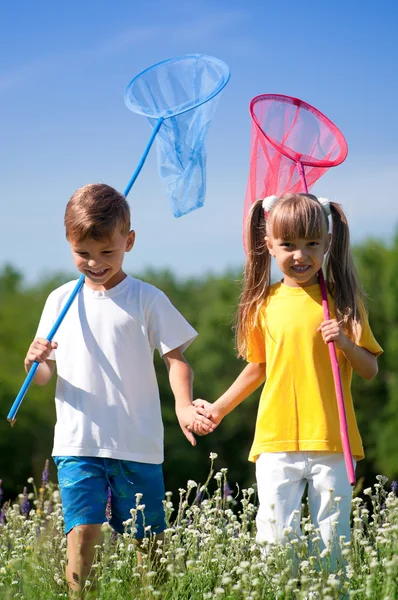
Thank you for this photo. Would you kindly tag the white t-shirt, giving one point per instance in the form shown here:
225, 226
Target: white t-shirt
107, 397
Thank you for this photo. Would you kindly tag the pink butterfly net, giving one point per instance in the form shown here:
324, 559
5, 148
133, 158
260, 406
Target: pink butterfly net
287, 133
292, 145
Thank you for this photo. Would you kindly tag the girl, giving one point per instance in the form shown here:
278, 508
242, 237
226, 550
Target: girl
282, 335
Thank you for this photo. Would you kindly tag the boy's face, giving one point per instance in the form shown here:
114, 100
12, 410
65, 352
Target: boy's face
101, 261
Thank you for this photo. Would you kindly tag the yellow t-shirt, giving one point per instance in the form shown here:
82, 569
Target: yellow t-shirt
298, 408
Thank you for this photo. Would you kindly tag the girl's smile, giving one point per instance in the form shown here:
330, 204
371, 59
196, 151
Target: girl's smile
299, 259
301, 268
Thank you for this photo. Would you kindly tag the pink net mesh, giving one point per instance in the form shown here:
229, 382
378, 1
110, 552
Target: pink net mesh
287, 131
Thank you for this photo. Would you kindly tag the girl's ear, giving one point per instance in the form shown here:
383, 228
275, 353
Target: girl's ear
328, 243
268, 242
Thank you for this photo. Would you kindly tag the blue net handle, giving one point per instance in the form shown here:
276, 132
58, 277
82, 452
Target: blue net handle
218, 75
30, 376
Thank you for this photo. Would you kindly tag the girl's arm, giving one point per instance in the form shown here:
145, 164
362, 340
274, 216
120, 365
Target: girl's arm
252, 376
181, 377
361, 360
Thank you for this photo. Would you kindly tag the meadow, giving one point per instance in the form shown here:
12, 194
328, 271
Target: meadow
209, 549
208, 552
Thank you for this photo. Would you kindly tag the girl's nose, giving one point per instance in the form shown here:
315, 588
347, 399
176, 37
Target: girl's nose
92, 262
298, 255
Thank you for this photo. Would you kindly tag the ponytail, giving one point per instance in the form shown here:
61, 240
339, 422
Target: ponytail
341, 275
256, 278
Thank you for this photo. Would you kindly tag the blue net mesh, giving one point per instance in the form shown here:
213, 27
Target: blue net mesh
184, 92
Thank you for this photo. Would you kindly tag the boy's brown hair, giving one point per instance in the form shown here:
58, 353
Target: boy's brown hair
96, 211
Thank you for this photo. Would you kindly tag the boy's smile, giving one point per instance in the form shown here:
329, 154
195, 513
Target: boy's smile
101, 261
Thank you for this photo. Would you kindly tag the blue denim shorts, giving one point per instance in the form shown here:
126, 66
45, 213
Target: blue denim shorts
86, 483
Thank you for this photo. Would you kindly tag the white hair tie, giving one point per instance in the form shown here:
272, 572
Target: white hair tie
326, 206
269, 202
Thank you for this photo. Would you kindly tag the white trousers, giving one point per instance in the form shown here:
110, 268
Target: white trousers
281, 481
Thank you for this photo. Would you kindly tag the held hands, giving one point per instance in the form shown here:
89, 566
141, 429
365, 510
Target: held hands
332, 332
39, 351
187, 415
204, 409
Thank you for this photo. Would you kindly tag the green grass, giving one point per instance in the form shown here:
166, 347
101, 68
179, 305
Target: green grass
209, 551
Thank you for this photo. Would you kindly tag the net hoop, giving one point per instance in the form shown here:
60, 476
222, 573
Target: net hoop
222, 71
293, 155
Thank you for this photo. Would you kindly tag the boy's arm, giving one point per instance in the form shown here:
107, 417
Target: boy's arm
39, 351
252, 376
181, 378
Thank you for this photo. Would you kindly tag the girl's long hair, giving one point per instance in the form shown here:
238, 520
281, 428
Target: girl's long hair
298, 216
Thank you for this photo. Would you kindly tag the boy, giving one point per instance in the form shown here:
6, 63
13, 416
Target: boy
109, 430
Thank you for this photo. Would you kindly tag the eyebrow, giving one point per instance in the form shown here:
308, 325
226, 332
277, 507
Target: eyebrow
84, 251
291, 241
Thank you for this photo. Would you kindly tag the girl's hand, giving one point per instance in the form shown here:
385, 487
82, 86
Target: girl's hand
332, 332
186, 415
205, 409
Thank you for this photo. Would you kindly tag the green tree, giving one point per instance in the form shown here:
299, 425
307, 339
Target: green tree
209, 304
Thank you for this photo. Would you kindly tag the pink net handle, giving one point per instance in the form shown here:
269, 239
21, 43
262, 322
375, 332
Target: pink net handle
345, 440
292, 145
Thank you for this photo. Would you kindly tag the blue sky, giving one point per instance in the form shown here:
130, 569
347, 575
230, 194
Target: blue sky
63, 71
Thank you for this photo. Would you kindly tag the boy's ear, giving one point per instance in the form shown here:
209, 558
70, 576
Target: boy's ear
130, 241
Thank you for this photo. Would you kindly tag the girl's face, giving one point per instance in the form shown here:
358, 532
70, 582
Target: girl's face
299, 259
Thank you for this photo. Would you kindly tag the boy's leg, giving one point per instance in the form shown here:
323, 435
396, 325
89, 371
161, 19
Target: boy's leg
281, 484
328, 480
80, 554
129, 478
83, 486
153, 555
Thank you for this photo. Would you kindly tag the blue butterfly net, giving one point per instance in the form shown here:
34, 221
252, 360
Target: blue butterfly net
183, 94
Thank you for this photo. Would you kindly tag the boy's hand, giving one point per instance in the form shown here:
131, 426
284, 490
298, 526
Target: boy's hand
186, 415
208, 410
332, 332
39, 351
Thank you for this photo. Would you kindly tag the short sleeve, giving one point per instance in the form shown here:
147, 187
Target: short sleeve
167, 328
367, 339
256, 344
47, 321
